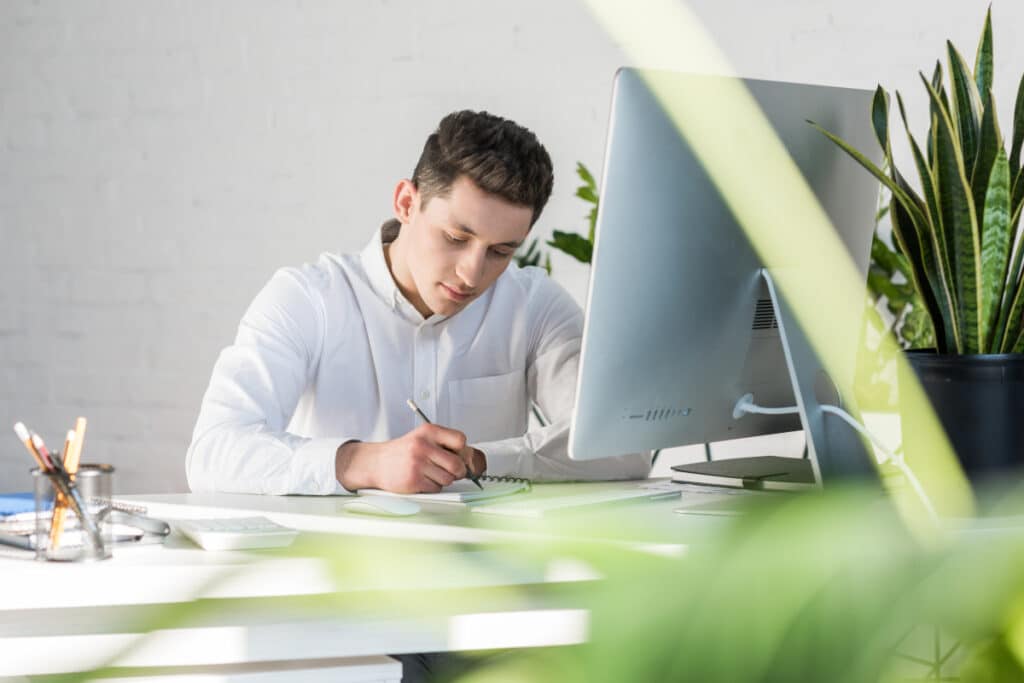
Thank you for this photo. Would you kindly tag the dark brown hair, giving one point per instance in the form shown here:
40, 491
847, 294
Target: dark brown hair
499, 156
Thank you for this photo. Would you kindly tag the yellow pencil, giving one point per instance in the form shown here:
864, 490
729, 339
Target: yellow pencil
73, 453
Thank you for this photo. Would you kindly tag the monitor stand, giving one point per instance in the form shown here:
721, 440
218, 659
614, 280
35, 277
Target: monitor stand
834, 450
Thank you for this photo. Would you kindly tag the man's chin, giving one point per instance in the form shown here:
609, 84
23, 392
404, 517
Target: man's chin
448, 308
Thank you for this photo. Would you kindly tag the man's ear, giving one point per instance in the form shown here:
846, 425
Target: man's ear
406, 200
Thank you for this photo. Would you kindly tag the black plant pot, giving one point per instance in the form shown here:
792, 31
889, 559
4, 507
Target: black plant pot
979, 400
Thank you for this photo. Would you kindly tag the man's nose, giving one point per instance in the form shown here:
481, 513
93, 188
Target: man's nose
470, 268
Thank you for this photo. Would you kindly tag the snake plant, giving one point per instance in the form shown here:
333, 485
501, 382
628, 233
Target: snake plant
959, 230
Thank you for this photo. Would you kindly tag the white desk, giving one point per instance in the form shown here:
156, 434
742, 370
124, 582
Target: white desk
273, 606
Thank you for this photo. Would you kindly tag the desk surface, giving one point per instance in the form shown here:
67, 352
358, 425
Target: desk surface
637, 522
97, 613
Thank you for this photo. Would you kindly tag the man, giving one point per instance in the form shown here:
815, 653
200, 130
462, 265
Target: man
311, 397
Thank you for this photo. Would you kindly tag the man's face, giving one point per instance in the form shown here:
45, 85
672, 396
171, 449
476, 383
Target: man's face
458, 245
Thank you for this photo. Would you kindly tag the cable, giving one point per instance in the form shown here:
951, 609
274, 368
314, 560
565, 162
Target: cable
746, 406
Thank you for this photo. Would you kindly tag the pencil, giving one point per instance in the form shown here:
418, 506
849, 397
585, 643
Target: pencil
22, 431
416, 409
37, 441
71, 460
67, 445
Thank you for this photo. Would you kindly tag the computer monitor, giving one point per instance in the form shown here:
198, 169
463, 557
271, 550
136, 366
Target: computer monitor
679, 320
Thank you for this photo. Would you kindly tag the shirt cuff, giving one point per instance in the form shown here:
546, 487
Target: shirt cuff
317, 475
505, 458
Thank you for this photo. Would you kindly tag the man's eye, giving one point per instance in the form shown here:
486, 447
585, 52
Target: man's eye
453, 239
500, 254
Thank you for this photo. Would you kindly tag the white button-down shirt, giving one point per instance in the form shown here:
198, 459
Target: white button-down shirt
330, 352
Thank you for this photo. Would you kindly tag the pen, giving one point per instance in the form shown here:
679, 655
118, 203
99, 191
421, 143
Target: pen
416, 409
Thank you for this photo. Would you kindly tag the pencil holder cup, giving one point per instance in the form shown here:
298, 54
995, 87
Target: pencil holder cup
70, 514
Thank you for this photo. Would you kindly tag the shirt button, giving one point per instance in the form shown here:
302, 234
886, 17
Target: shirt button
424, 395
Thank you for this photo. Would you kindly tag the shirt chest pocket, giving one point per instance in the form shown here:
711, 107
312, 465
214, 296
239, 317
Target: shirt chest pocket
489, 408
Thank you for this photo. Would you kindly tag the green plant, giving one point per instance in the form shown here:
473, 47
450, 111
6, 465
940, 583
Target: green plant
531, 256
580, 247
889, 279
959, 232
574, 244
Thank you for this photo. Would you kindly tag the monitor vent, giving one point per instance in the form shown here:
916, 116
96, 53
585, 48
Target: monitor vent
764, 315
659, 414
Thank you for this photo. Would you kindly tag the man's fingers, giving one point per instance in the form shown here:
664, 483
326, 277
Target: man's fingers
437, 477
449, 439
477, 461
448, 461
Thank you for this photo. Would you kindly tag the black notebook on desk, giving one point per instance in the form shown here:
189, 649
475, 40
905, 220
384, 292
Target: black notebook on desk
764, 472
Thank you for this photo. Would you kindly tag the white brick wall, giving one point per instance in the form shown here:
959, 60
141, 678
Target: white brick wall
159, 159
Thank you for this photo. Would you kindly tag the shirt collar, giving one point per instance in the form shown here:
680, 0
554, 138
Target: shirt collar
381, 280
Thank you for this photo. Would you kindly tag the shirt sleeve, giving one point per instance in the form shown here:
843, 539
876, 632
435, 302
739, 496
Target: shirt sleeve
542, 454
240, 443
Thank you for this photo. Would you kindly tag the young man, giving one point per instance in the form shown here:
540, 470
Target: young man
311, 397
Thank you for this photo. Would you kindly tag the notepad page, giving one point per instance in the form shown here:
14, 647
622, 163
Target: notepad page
461, 491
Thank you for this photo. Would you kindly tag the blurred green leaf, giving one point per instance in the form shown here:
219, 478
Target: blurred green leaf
586, 176
586, 194
572, 244
991, 662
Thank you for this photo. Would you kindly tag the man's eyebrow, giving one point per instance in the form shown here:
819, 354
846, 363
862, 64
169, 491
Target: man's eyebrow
465, 228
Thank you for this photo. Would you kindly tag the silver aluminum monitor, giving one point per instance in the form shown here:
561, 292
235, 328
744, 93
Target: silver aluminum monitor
679, 322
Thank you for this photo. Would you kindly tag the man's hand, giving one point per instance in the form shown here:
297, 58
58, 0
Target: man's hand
425, 460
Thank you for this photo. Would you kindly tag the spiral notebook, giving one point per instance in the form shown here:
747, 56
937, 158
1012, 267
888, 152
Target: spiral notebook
465, 491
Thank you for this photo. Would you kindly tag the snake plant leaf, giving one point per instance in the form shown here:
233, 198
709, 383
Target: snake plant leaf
1018, 346
990, 142
983, 59
1018, 128
936, 250
924, 275
1018, 189
1013, 302
912, 232
995, 248
937, 84
966, 105
880, 119
879, 174
961, 226
929, 188
1015, 206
